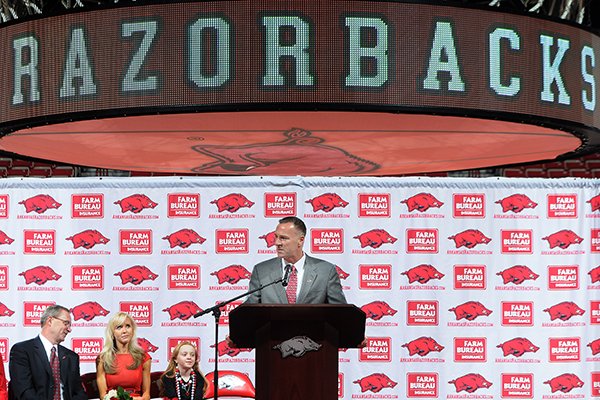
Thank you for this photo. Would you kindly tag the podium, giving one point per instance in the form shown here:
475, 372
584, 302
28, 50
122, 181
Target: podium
296, 346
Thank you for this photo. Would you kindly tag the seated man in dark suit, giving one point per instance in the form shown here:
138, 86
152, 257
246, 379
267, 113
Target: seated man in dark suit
42, 369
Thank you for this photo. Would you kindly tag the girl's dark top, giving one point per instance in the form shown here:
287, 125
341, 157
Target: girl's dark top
170, 390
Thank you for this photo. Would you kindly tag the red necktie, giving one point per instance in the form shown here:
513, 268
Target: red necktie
55, 373
292, 286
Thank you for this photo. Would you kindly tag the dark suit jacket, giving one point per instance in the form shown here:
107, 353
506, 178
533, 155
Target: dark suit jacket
320, 284
31, 377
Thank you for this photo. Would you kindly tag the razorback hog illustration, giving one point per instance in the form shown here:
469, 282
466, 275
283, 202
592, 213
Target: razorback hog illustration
563, 239
595, 274
375, 382
470, 310
470, 383
40, 275
184, 238
375, 238
232, 202
422, 202
88, 239
341, 273
422, 346
224, 349
469, 238
136, 274
327, 202
297, 346
594, 203
517, 347
5, 311
517, 274
269, 238
422, 273
5, 239
377, 309
183, 310
146, 345
516, 203
564, 311
594, 346
231, 274
564, 383
88, 311
40, 203
135, 203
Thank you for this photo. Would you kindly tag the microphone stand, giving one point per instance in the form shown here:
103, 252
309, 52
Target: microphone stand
216, 311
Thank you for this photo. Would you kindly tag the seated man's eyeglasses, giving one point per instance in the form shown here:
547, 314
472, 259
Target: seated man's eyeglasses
67, 323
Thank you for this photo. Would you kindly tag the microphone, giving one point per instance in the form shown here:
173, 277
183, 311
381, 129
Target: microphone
286, 276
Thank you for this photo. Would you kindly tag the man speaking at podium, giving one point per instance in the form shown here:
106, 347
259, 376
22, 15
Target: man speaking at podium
309, 280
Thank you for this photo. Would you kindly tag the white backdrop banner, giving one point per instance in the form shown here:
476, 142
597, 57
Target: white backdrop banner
473, 288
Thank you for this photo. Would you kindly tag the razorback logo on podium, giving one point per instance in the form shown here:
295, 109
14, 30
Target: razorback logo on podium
564, 311
88, 239
422, 273
88, 311
422, 346
470, 310
470, 383
422, 385
136, 275
231, 274
89, 205
184, 238
183, 310
40, 275
232, 202
517, 274
327, 202
564, 383
563, 239
375, 383
297, 346
135, 203
40, 203
421, 202
516, 203
517, 347
469, 238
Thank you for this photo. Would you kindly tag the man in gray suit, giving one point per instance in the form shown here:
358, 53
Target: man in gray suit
314, 281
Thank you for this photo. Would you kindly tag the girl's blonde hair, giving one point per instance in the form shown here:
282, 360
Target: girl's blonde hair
108, 354
170, 371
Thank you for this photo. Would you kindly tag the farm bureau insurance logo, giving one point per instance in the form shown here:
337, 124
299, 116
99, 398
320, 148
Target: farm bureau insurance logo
470, 277
375, 276
327, 240
378, 349
422, 241
3, 277
135, 241
39, 241
374, 205
422, 385
87, 277
4, 205
279, 205
562, 206
422, 312
517, 313
87, 205
233, 241
139, 311
183, 276
87, 348
33, 310
517, 241
468, 205
183, 205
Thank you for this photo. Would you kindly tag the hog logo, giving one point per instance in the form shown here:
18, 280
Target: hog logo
341, 273
422, 202
469, 238
377, 309
422, 346
375, 238
516, 203
517, 347
184, 238
298, 151
40, 275
5, 311
564, 311
269, 238
297, 346
40, 203
594, 346
563, 239
146, 345
595, 203
224, 349
88, 239
470, 310
517, 274
232, 202
5, 239
375, 382
595, 274
565, 383
327, 202
88, 311
422, 273
135, 203
470, 383
231, 274
183, 310
136, 275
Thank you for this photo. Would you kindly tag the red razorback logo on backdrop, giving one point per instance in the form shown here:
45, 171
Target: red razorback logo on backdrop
184, 238
88, 311
516, 203
595, 274
470, 383
40, 275
469, 238
269, 238
594, 203
327, 202
341, 273
517, 274
231, 274
564, 383
375, 238
5, 311
183, 310
40, 203
594, 346
146, 345
422, 346
564, 311
563, 239
135, 203
422, 202
88, 239
517, 347
271, 158
470, 310
5, 239
375, 382
232, 202
377, 309
136, 274
422, 273
224, 349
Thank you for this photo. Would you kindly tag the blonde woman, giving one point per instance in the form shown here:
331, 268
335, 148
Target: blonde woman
122, 361
182, 379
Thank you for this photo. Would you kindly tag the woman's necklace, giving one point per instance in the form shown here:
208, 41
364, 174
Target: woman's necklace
188, 387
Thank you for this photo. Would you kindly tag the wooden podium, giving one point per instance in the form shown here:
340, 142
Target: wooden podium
296, 346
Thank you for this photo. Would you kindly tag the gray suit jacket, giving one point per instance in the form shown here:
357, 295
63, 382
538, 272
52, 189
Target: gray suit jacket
320, 284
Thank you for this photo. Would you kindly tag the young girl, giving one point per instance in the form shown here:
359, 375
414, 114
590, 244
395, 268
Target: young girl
182, 379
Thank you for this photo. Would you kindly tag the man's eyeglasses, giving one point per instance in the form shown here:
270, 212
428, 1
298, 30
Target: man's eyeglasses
66, 322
